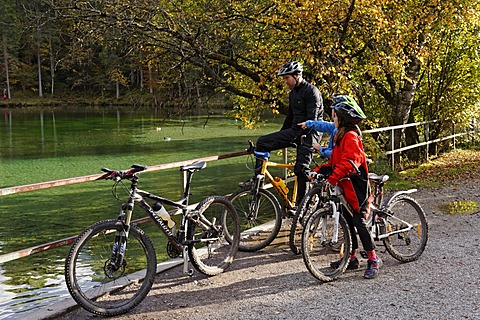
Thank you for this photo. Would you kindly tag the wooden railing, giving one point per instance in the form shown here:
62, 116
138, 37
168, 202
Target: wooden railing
64, 182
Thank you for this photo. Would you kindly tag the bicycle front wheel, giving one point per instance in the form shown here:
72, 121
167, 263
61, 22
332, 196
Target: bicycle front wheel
323, 243
310, 203
407, 222
260, 220
93, 280
209, 250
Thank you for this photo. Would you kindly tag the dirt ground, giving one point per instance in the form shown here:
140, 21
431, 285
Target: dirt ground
274, 284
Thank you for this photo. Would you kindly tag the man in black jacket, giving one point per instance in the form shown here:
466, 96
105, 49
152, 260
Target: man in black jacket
305, 103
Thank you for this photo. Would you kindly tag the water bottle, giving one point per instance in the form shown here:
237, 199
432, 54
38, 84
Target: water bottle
282, 185
162, 213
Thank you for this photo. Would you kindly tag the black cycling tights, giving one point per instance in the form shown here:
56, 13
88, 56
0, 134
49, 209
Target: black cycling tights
357, 221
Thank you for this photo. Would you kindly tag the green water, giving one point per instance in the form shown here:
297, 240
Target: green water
40, 146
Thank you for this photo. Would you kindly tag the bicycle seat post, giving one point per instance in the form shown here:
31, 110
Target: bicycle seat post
188, 171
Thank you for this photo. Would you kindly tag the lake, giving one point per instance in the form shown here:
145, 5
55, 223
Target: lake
51, 144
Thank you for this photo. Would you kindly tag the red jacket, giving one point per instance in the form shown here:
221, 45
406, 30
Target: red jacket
355, 187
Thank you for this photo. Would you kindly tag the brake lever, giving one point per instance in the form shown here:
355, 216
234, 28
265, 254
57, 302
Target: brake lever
251, 147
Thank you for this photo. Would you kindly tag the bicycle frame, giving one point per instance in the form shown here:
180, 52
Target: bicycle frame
338, 200
375, 228
178, 241
289, 202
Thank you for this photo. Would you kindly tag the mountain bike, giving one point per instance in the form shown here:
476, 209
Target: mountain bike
111, 266
400, 223
310, 203
259, 210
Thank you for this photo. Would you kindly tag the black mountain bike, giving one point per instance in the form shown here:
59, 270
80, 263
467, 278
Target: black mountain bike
111, 266
400, 223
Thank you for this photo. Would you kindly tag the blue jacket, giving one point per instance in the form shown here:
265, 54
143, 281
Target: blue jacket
326, 127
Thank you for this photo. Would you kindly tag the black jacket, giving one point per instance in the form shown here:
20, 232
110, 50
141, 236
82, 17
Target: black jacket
305, 103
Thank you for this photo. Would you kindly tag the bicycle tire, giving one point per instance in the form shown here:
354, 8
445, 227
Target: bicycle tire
406, 246
310, 203
318, 253
214, 255
102, 291
257, 232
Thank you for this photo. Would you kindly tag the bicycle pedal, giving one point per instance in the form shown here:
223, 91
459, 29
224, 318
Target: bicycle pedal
290, 213
363, 254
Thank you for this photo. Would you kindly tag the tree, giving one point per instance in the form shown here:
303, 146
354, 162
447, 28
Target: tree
375, 50
449, 81
9, 37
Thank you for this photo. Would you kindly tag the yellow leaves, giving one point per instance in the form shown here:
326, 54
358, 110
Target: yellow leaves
458, 165
117, 76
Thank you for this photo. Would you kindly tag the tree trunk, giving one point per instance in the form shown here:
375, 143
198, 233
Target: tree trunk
404, 99
52, 68
5, 58
150, 78
40, 90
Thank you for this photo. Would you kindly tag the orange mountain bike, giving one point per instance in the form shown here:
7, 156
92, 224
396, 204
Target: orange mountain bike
259, 210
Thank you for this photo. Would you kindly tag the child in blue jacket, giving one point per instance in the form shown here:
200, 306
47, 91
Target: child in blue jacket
321, 126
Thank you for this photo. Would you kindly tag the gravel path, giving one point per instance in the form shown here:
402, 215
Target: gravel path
274, 284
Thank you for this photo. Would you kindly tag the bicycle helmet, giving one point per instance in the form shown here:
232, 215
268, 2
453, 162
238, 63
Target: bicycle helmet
345, 107
290, 68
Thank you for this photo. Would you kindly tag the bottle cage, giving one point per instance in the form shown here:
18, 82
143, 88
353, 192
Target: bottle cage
262, 154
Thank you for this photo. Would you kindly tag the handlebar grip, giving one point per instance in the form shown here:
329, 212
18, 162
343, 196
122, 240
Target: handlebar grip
138, 167
108, 174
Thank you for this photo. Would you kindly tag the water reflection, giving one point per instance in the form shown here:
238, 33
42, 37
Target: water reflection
50, 145
17, 300
8, 126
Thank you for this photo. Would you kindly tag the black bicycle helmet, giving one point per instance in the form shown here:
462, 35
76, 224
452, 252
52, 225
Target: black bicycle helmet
290, 68
346, 108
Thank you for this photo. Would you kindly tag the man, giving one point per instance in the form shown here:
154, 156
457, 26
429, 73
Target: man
305, 103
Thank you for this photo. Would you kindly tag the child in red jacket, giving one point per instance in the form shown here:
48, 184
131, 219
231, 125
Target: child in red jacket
347, 157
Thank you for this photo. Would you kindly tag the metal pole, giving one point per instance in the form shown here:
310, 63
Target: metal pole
454, 139
427, 137
393, 149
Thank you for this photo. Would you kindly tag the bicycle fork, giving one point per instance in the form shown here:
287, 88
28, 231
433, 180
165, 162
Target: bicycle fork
253, 205
119, 246
336, 217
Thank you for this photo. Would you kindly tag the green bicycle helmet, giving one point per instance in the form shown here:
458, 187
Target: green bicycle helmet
290, 68
347, 109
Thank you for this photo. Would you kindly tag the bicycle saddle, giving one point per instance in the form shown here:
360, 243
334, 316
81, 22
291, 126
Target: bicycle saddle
194, 166
377, 178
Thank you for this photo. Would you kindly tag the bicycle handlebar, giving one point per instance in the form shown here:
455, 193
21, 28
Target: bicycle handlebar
121, 174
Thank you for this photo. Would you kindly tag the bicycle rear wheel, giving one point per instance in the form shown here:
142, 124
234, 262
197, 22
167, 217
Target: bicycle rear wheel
409, 244
209, 251
91, 278
310, 203
260, 221
320, 248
